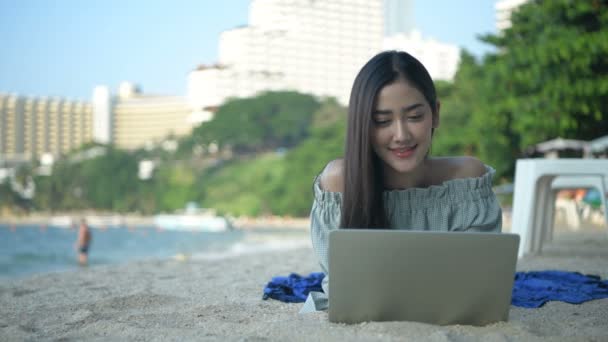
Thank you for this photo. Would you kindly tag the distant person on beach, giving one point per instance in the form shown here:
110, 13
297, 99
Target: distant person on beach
387, 178
83, 242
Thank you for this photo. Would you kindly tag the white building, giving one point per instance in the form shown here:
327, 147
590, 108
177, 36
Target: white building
314, 47
133, 120
504, 8
46, 128
102, 115
399, 16
32, 127
440, 59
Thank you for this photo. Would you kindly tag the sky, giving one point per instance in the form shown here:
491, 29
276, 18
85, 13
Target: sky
67, 47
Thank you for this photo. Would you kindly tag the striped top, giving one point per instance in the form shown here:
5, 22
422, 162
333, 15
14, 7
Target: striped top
464, 204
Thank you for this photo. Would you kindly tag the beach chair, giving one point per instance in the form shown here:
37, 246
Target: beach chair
573, 209
534, 198
591, 207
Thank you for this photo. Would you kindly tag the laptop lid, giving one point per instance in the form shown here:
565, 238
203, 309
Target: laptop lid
433, 277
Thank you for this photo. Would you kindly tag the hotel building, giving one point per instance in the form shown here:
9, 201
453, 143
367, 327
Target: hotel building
504, 8
314, 47
440, 59
31, 127
133, 120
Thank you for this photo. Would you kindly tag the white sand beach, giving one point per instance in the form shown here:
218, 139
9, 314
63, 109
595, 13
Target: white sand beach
222, 300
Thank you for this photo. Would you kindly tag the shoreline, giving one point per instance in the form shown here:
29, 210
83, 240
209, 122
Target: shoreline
121, 245
250, 246
196, 299
97, 220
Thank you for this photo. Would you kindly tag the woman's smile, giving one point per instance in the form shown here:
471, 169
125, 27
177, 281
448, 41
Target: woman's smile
403, 152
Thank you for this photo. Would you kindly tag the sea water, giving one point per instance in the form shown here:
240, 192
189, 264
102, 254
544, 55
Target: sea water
30, 249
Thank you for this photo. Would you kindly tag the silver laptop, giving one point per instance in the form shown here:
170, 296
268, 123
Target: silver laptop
432, 277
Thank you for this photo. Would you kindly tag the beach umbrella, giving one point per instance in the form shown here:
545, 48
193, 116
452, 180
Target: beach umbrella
599, 144
561, 144
593, 198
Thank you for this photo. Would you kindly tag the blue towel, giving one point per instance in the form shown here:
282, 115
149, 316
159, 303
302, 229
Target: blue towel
530, 289
533, 289
294, 288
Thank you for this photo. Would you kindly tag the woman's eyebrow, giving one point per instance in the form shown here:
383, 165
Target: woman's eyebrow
411, 108
404, 110
382, 112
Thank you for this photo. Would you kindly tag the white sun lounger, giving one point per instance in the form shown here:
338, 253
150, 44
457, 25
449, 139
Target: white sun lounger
534, 199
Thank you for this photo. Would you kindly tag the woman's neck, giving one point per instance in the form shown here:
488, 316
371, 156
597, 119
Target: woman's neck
420, 177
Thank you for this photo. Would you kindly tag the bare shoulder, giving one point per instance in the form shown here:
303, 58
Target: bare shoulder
468, 167
332, 177
461, 167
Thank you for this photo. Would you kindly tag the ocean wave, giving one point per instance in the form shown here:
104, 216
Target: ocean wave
20, 258
248, 248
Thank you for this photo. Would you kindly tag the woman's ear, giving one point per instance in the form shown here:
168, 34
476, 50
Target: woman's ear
436, 115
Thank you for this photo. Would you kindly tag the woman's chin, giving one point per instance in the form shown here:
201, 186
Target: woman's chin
404, 166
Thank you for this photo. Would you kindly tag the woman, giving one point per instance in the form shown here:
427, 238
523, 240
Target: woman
386, 178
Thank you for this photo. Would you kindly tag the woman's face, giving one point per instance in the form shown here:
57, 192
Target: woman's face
402, 123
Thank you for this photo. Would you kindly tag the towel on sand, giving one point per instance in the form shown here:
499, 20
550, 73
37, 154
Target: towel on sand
293, 288
533, 289
530, 289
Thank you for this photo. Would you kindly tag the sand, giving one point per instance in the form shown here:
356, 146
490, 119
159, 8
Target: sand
221, 300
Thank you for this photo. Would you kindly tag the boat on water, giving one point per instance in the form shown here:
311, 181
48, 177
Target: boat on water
193, 218
93, 220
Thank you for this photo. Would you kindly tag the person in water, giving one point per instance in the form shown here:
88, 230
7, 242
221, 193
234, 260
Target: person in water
387, 178
83, 243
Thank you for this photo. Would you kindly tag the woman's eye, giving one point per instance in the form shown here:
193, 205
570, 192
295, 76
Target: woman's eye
381, 122
416, 117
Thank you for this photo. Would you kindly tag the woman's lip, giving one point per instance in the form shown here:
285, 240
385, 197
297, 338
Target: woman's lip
400, 149
404, 152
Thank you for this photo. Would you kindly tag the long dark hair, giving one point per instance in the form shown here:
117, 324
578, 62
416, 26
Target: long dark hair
362, 199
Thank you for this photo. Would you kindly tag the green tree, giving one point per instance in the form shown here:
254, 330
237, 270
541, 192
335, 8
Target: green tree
56, 192
308, 159
245, 187
175, 186
459, 101
110, 181
105, 181
8, 199
277, 183
470, 121
261, 123
551, 72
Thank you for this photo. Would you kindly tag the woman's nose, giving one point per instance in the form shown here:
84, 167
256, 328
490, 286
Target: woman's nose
401, 133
